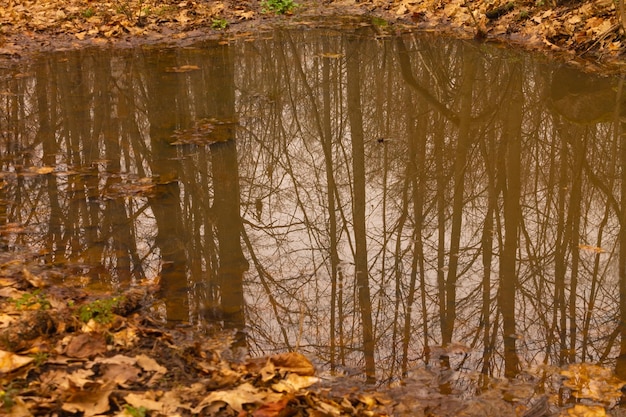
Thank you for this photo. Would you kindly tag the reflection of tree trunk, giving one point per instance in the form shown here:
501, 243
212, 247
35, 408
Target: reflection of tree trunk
620, 367
327, 141
487, 247
46, 136
162, 105
559, 318
460, 161
355, 116
417, 161
512, 137
574, 213
226, 203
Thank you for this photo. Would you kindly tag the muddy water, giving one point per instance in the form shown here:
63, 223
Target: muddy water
379, 203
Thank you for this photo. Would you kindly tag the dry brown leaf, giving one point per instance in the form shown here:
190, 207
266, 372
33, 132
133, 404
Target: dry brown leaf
80, 377
146, 400
120, 373
9, 361
272, 409
86, 345
293, 362
32, 279
91, 401
294, 382
237, 397
18, 409
150, 365
593, 382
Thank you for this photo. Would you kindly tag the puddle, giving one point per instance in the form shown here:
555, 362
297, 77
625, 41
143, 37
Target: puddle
378, 203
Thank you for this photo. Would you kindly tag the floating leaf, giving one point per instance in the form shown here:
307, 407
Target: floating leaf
44, 170
589, 248
183, 68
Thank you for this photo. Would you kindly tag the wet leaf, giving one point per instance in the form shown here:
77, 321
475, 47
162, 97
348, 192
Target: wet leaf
183, 68
44, 170
593, 249
331, 55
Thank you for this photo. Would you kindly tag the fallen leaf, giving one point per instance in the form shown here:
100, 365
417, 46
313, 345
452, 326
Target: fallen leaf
91, 401
580, 410
273, 409
9, 361
593, 382
293, 362
150, 365
183, 68
44, 170
32, 279
294, 382
236, 398
120, 373
146, 400
86, 345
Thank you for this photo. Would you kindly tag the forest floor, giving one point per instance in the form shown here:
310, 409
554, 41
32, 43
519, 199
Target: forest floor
587, 32
66, 351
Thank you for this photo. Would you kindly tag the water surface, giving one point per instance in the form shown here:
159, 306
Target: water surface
379, 203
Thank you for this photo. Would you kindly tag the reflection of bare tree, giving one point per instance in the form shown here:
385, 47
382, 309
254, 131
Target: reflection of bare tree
511, 170
481, 236
163, 91
357, 137
226, 203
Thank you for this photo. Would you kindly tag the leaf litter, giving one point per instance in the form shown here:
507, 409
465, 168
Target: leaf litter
569, 29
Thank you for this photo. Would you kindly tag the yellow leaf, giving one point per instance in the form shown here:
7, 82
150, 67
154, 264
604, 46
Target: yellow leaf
580, 410
44, 170
589, 248
183, 68
10, 361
